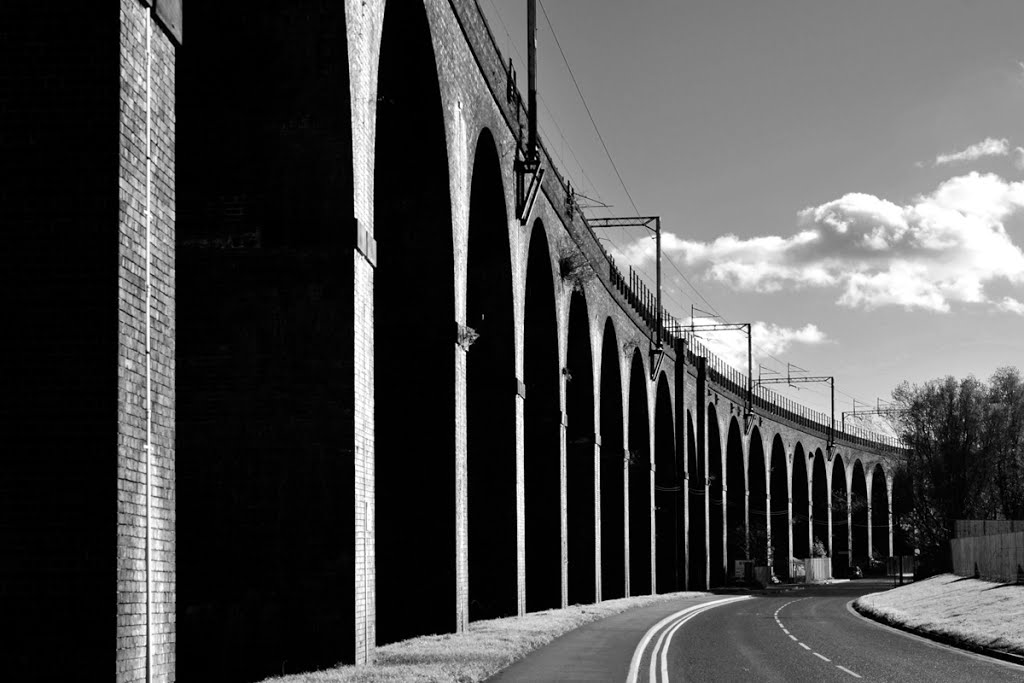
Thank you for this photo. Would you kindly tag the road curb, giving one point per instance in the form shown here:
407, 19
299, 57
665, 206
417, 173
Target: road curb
939, 637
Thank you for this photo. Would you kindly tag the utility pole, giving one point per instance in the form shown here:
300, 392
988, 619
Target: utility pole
527, 162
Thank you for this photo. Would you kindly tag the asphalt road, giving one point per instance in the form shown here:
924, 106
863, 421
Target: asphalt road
796, 634
809, 634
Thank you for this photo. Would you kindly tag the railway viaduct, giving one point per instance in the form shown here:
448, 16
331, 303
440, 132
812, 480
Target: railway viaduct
293, 377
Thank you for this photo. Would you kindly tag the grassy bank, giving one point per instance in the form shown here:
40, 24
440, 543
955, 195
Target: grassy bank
487, 647
968, 612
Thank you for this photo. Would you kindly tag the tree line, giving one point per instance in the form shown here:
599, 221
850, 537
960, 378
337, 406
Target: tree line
965, 461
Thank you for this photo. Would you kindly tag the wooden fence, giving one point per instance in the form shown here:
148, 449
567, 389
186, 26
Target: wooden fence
995, 557
986, 527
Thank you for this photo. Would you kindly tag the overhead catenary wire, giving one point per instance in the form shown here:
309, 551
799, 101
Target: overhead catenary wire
600, 137
611, 159
592, 186
618, 174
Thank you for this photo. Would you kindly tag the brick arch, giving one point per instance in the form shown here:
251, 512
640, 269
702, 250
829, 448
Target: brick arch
860, 550
414, 233
840, 500
779, 519
580, 454
735, 503
490, 393
666, 491
262, 282
613, 464
545, 231
543, 420
757, 486
640, 508
801, 509
821, 525
715, 491
696, 550
879, 497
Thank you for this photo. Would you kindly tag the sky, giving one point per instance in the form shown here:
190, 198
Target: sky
847, 175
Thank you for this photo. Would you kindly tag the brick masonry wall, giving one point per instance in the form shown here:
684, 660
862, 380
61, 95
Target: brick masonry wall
268, 452
58, 206
146, 351
72, 129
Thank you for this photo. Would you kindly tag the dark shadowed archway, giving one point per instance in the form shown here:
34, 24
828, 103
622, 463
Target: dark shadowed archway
263, 345
859, 516
490, 399
779, 478
840, 523
757, 481
696, 552
543, 431
579, 408
666, 492
413, 297
879, 514
613, 467
801, 507
716, 521
639, 480
736, 496
820, 503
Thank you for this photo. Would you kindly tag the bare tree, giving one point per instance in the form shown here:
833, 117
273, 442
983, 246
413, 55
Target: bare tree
945, 424
1005, 439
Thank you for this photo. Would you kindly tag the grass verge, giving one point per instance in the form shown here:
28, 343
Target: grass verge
486, 648
970, 613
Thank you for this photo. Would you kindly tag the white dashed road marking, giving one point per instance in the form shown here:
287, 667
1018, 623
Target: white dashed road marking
794, 638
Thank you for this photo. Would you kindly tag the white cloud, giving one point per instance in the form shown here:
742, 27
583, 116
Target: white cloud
1011, 305
1018, 158
940, 249
989, 147
768, 339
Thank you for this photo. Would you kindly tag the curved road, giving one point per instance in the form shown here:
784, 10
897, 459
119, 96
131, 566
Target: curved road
797, 634
811, 634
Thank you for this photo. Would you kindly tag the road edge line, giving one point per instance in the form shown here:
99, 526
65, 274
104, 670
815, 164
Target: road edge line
939, 640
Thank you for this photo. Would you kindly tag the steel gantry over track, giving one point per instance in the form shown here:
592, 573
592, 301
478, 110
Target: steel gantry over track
877, 411
652, 224
693, 328
805, 379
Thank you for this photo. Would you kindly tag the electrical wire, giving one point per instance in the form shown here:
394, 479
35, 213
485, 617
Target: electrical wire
600, 137
592, 186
